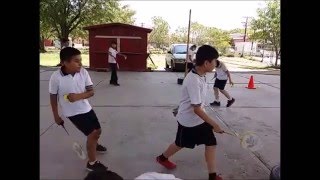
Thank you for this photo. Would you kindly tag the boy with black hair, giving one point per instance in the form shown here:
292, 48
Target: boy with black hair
71, 86
112, 59
222, 75
195, 127
190, 58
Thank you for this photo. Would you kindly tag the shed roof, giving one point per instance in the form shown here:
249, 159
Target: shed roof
117, 24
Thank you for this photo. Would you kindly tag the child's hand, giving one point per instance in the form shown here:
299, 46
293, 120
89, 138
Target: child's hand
59, 121
217, 129
231, 83
72, 97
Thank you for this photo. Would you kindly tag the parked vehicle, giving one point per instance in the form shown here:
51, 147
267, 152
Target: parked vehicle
176, 57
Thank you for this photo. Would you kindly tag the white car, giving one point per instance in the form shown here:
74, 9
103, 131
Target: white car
176, 57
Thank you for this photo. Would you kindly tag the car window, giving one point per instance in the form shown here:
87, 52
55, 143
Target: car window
180, 49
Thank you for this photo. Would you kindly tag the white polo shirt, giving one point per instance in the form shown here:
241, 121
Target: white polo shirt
193, 92
61, 84
114, 53
221, 71
192, 54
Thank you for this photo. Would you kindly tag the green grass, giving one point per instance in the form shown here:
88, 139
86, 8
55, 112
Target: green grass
51, 58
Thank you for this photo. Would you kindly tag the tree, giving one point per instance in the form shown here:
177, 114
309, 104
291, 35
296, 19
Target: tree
114, 14
267, 26
160, 32
198, 33
219, 39
46, 31
180, 35
69, 16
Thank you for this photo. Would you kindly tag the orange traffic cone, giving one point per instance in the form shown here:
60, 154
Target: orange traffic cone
251, 83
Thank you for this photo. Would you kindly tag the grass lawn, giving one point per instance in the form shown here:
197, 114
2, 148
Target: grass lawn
51, 58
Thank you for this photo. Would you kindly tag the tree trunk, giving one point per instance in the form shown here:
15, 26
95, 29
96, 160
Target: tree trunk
42, 48
277, 53
64, 39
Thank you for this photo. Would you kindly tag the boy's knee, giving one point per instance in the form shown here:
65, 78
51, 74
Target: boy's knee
95, 134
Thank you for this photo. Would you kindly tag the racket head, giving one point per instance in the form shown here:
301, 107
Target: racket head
77, 148
250, 140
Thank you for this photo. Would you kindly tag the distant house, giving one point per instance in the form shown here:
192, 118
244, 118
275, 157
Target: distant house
239, 44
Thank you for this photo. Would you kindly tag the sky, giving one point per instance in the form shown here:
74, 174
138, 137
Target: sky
220, 14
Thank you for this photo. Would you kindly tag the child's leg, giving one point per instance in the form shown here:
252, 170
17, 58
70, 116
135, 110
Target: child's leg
92, 141
231, 100
163, 158
89, 125
180, 142
171, 150
210, 155
226, 94
216, 94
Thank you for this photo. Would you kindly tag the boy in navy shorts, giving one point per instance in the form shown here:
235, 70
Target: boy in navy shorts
71, 86
222, 75
195, 127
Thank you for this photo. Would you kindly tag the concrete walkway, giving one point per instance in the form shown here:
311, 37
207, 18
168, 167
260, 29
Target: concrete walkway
137, 125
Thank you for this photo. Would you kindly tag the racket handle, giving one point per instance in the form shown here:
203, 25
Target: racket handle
229, 133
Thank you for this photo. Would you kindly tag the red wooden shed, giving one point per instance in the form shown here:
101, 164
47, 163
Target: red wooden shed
131, 41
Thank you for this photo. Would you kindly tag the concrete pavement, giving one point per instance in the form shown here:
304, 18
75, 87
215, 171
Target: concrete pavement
137, 125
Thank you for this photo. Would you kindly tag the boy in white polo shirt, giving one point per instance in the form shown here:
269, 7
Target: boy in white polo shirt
70, 86
222, 75
112, 59
195, 127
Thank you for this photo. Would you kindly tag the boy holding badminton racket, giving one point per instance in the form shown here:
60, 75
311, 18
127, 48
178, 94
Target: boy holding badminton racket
71, 86
195, 127
222, 75
112, 59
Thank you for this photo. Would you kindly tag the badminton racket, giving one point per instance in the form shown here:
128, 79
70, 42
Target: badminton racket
248, 140
76, 147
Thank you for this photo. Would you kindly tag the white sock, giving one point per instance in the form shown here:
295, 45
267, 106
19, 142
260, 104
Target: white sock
92, 163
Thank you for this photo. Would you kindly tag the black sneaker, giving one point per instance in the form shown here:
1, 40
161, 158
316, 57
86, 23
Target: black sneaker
116, 84
101, 149
215, 103
96, 166
230, 102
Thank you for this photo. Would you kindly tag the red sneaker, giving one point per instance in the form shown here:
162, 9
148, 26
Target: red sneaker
167, 164
218, 177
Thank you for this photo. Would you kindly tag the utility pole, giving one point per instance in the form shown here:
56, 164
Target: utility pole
254, 31
245, 33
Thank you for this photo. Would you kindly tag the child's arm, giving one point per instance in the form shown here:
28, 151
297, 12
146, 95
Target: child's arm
198, 111
229, 76
224, 68
89, 89
195, 97
53, 90
72, 97
123, 55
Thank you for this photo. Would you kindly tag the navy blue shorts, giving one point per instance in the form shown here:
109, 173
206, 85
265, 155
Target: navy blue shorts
86, 122
220, 84
189, 137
